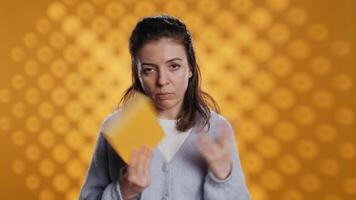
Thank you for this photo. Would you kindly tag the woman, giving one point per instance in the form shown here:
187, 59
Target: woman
198, 158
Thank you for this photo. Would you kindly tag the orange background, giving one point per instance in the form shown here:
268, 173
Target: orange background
281, 70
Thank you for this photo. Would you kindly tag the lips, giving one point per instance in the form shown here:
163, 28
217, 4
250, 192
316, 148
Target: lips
164, 96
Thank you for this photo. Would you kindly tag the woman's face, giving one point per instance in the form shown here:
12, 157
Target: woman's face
164, 73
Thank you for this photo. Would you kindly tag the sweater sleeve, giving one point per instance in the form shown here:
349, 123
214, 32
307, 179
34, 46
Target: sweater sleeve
234, 186
97, 183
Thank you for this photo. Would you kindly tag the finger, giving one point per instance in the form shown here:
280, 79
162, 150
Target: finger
140, 166
147, 157
201, 144
136, 168
140, 157
207, 148
223, 138
131, 167
209, 144
149, 152
147, 165
132, 161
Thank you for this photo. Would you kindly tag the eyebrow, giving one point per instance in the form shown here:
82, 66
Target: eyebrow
170, 60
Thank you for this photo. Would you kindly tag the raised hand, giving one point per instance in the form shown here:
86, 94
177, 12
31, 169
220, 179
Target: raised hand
137, 175
216, 153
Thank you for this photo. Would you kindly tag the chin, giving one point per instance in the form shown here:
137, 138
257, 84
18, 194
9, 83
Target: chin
166, 105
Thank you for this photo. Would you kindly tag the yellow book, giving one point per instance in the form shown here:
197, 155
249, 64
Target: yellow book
136, 126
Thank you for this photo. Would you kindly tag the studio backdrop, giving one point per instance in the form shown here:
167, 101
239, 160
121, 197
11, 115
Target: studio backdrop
283, 72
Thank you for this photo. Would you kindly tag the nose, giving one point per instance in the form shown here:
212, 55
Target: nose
162, 78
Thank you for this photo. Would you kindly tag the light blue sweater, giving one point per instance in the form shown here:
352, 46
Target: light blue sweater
185, 177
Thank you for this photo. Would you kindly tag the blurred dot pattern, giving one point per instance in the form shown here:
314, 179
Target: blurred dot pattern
281, 79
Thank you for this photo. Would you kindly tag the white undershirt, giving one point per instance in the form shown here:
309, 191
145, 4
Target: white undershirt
173, 139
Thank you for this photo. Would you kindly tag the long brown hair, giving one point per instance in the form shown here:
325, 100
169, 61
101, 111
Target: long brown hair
196, 103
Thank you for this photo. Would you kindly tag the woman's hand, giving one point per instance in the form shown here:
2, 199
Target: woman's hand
137, 176
217, 154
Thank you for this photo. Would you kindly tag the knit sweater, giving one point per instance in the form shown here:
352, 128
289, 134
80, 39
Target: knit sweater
185, 177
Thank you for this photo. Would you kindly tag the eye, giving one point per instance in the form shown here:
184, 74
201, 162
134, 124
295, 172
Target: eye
147, 71
174, 66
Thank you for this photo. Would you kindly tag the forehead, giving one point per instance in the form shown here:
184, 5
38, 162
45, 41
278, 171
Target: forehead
161, 50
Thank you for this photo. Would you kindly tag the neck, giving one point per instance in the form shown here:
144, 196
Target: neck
171, 113
167, 115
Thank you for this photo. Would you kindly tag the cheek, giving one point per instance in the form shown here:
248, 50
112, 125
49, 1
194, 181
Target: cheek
182, 80
148, 85
182, 84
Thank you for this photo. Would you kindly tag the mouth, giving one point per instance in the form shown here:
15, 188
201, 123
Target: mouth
164, 96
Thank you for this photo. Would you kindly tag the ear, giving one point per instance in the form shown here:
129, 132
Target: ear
190, 74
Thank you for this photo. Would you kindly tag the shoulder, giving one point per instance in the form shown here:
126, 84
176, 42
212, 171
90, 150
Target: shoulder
216, 123
219, 122
218, 119
110, 120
